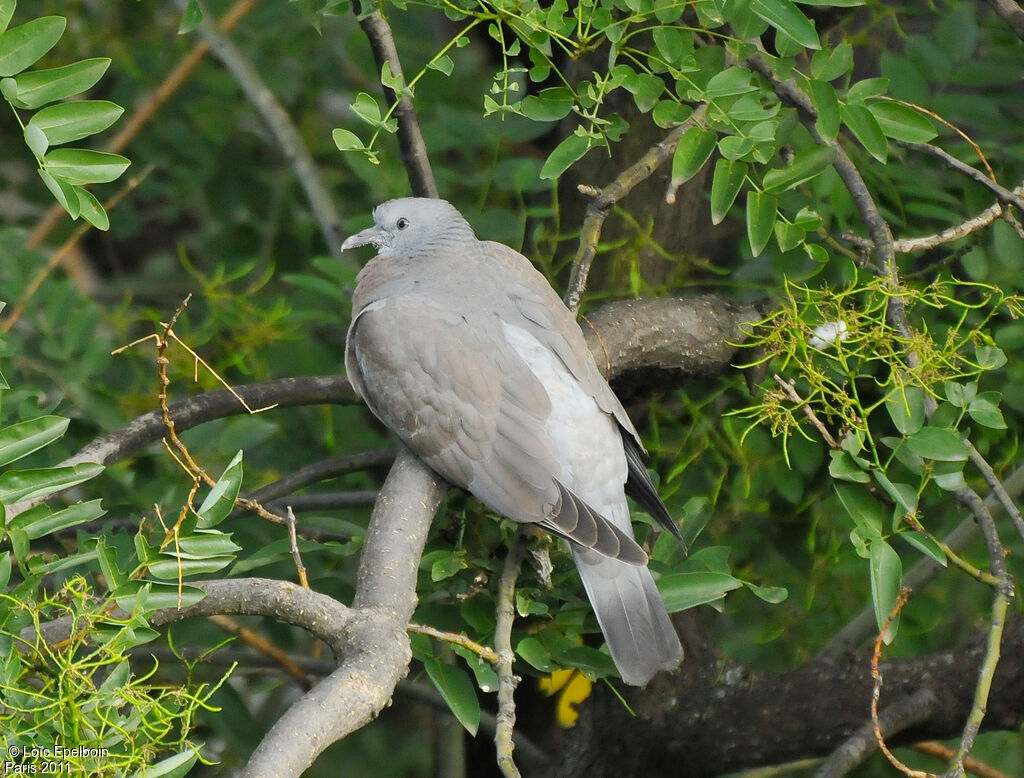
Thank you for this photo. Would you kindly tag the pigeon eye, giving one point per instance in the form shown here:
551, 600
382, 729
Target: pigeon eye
402, 223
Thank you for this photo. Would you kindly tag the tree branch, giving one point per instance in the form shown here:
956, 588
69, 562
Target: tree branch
1011, 13
295, 150
602, 201
715, 720
376, 647
410, 139
1003, 194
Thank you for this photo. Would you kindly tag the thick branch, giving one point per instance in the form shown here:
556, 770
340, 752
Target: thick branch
376, 647
717, 720
695, 336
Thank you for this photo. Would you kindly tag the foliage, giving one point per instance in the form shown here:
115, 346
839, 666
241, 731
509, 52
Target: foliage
512, 96
64, 171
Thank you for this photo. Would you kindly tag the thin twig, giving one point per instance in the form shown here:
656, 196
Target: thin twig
410, 139
484, 652
602, 201
293, 545
65, 248
971, 765
997, 487
292, 146
1002, 193
997, 623
789, 387
876, 693
507, 680
259, 643
948, 235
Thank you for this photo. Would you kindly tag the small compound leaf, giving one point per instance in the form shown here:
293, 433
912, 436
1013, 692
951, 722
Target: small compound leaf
41, 87
23, 45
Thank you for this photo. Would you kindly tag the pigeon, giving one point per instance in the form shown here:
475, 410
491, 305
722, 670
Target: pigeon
464, 350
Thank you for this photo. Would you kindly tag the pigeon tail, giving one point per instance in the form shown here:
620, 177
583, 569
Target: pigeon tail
631, 614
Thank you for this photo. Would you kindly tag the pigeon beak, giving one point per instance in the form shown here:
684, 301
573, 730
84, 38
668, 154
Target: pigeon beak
370, 235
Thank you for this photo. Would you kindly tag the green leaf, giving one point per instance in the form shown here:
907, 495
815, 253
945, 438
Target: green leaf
906, 409
692, 153
66, 122
949, 475
167, 567
805, 166
830, 64
926, 544
17, 485
564, 155
984, 409
91, 209
886, 577
536, 654
21, 46
486, 678
846, 467
826, 103
735, 80
902, 123
869, 87
5, 569
346, 140
939, 443
865, 128
989, 357
458, 691
63, 192
443, 64
206, 544
48, 86
366, 108
395, 83
172, 767
549, 105
22, 439
221, 500
770, 594
37, 525
726, 181
107, 557
156, 595
191, 18
6, 12
83, 166
904, 495
647, 89
447, 566
864, 509
784, 16
762, 211
36, 141
687, 590
669, 113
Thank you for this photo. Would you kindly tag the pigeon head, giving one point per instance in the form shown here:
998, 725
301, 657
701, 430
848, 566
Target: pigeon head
408, 225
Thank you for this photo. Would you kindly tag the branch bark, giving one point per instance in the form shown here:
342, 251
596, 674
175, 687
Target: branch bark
375, 647
712, 719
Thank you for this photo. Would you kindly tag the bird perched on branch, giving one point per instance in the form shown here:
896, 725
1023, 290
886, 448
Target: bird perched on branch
463, 349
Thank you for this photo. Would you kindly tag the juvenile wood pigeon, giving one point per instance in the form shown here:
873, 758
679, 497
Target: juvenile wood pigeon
463, 349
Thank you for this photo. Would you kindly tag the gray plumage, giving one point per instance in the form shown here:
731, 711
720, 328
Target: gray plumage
464, 350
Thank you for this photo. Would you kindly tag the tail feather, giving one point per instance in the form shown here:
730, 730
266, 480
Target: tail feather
632, 616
